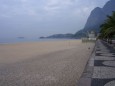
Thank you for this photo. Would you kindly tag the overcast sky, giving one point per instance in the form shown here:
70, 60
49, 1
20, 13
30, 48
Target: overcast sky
34, 18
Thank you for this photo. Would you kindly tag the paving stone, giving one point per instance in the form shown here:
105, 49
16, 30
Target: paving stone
104, 72
98, 54
100, 70
88, 72
99, 63
109, 63
111, 83
107, 54
85, 82
98, 49
103, 52
104, 58
91, 63
93, 58
100, 82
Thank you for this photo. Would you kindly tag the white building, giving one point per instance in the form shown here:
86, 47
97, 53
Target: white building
91, 35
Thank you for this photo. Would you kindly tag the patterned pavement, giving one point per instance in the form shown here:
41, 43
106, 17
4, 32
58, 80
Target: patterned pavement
100, 70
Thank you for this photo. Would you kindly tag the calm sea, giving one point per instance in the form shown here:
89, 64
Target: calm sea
18, 40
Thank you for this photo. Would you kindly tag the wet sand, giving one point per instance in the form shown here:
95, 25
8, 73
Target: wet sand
54, 63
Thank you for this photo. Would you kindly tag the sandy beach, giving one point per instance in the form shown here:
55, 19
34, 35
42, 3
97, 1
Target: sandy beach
53, 63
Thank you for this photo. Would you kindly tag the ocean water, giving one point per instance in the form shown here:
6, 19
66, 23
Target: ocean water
20, 40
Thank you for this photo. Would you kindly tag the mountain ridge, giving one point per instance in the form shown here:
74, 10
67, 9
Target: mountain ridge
67, 35
96, 18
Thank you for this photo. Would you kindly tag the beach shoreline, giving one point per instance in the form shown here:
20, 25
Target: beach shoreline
53, 63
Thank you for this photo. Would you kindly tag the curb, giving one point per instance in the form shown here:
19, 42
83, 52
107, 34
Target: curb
86, 77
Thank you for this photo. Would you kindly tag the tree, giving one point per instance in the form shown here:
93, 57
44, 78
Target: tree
108, 28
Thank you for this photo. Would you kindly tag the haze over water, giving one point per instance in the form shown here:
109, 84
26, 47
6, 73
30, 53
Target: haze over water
34, 18
17, 40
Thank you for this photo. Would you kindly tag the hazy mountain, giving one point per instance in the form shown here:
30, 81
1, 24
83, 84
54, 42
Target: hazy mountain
109, 7
68, 35
96, 18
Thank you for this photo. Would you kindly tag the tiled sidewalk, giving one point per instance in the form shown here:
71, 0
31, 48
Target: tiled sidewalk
100, 70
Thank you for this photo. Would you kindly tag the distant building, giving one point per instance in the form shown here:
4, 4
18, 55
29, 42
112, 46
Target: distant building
91, 35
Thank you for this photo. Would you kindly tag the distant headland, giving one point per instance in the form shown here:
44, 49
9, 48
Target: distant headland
68, 35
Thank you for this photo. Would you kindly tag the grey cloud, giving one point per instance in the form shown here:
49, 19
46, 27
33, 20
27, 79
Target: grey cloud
44, 17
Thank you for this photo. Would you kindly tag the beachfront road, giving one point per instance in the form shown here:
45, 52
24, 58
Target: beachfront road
60, 68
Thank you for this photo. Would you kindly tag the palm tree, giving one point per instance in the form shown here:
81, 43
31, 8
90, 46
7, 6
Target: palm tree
108, 28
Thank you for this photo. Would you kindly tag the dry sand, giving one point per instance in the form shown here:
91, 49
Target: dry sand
54, 63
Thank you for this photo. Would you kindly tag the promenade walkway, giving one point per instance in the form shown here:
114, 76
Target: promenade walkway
100, 70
